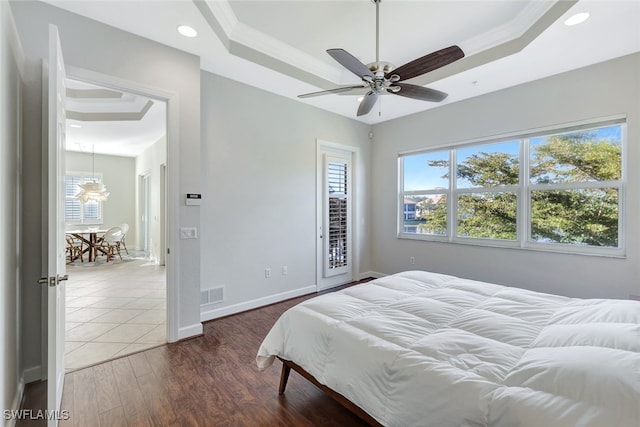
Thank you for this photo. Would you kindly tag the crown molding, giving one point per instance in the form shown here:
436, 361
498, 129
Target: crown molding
517, 27
255, 46
284, 52
504, 49
110, 116
248, 43
93, 93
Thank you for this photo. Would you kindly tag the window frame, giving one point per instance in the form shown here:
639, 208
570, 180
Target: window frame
523, 191
84, 177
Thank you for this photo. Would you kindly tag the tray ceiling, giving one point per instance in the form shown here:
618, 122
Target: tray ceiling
279, 46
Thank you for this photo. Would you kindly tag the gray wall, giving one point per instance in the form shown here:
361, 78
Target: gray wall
118, 175
259, 210
600, 90
92, 46
10, 248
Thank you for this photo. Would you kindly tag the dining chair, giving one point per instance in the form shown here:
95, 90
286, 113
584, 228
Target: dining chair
110, 243
125, 229
74, 249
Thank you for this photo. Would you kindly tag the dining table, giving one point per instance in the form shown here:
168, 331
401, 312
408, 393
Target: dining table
88, 236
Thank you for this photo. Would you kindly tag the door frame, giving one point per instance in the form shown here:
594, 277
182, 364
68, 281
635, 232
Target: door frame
172, 272
162, 256
144, 222
326, 147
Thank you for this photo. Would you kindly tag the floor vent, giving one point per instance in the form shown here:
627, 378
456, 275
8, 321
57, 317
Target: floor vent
212, 296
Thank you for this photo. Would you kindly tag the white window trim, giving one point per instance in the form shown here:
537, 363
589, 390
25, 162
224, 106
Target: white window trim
523, 193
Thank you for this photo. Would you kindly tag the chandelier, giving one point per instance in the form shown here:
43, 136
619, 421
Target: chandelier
92, 191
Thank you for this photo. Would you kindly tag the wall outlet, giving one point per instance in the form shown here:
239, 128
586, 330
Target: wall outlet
412, 260
267, 273
285, 270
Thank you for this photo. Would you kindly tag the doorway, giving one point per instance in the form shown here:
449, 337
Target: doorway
145, 209
335, 248
118, 307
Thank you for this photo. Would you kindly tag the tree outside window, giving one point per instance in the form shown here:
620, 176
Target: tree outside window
571, 182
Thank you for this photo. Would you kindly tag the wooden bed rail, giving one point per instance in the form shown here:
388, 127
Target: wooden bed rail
287, 365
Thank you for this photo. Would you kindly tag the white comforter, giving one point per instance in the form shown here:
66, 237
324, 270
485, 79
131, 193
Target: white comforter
425, 349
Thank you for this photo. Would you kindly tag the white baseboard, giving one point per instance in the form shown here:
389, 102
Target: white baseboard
32, 374
190, 331
373, 274
215, 313
17, 400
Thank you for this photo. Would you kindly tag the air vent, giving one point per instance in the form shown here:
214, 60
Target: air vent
212, 296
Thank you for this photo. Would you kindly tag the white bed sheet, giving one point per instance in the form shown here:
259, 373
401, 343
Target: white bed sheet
426, 349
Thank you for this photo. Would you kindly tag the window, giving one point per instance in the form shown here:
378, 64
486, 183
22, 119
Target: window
555, 190
487, 184
425, 197
76, 211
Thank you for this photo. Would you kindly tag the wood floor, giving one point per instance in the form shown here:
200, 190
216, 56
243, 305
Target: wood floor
206, 381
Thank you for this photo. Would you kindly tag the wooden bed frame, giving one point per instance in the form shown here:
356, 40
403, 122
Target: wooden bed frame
287, 365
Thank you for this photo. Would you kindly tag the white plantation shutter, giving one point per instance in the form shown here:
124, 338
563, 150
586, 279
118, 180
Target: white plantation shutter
72, 208
337, 217
75, 211
91, 212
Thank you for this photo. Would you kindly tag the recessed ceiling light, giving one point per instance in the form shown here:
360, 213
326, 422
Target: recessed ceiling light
187, 31
576, 19
75, 126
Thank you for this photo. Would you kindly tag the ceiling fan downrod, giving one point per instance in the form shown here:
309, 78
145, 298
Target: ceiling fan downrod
377, 2
379, 68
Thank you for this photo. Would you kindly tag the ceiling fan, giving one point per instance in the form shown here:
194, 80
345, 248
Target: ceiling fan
382, 77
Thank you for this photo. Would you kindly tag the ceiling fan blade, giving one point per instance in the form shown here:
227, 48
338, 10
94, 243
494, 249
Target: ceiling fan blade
327, 92
350, 62
418, 92
367, 103
427, 63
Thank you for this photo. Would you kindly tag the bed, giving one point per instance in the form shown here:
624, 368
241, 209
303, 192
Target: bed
426, 349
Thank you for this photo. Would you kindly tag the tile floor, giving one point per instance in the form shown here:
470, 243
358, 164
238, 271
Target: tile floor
113, 309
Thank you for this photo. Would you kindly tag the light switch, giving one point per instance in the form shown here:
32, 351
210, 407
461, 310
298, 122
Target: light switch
193, 199
188, 233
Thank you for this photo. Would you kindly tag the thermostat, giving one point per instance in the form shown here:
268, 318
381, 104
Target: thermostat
193, 199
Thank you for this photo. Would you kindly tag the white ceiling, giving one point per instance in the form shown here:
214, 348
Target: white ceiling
107, 121
279, 46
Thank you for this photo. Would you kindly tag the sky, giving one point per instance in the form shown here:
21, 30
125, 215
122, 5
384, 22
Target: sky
419, 176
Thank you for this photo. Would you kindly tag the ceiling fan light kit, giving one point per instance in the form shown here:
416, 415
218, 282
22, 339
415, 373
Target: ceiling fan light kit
382, 77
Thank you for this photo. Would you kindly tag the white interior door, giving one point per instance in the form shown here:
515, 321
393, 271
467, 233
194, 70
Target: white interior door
54, 244
335, 239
